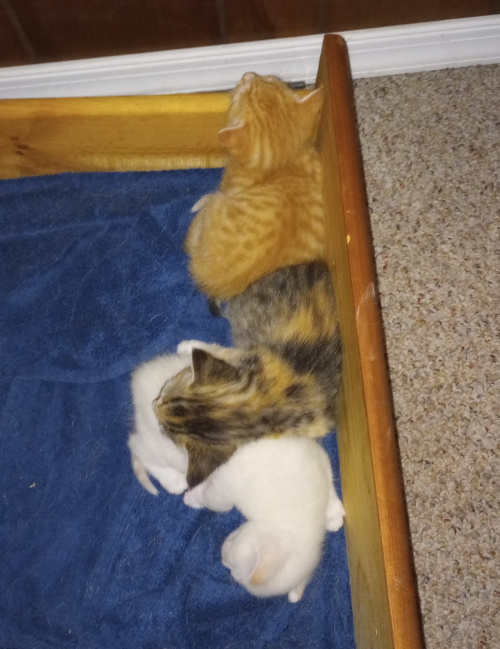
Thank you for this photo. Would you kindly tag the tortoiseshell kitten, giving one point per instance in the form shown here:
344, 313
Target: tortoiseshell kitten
280, 379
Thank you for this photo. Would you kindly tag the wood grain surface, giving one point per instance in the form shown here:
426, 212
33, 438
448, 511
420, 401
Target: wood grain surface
46, 136
380, 560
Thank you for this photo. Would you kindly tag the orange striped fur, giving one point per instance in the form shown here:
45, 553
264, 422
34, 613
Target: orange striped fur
268, 211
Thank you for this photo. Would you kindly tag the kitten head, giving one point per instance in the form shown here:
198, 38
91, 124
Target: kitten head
262, 558
268, 124
213, 407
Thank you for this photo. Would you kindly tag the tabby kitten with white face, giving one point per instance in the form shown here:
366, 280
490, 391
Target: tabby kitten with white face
280, 379
268, 210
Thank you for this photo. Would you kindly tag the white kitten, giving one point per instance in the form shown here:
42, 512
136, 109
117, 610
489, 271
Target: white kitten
284, 487
153, 452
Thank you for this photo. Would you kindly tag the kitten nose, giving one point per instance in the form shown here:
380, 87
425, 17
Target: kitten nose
248, 76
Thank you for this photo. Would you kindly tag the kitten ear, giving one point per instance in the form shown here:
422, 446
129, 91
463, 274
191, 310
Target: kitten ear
203, 459
233, 137
208, 368
310, 110
270, 556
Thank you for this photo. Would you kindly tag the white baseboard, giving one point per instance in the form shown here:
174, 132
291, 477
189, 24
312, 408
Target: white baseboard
373, 52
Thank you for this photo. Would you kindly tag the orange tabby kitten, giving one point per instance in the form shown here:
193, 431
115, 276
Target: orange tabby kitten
268, 211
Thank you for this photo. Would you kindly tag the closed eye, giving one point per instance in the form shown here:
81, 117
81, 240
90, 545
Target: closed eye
179, 411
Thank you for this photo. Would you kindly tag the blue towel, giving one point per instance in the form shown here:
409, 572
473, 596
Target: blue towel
94, 281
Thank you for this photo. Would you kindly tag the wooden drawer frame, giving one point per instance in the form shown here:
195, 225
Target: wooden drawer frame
45, 136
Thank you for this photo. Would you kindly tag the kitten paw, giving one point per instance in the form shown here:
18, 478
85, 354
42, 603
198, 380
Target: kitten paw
226, 549
200, 203
175, 482
335, 515
142, 475
187, 346
296, 594
194, 497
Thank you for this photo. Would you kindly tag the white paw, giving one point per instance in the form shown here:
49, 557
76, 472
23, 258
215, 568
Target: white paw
143, 476
175, 482
226, 549
194, 497
296, 594
187, 346
335, 515
201, 203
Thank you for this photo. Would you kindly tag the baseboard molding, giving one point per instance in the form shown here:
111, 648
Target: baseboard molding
373, 52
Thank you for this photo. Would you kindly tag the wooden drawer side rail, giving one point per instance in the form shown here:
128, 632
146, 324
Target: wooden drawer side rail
380, 560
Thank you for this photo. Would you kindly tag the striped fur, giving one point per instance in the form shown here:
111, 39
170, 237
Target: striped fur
280, 379
268, 211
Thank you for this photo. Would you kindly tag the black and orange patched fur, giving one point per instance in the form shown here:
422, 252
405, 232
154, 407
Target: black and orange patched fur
281, 378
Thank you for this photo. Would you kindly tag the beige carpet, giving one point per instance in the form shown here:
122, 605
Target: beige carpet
431, 149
